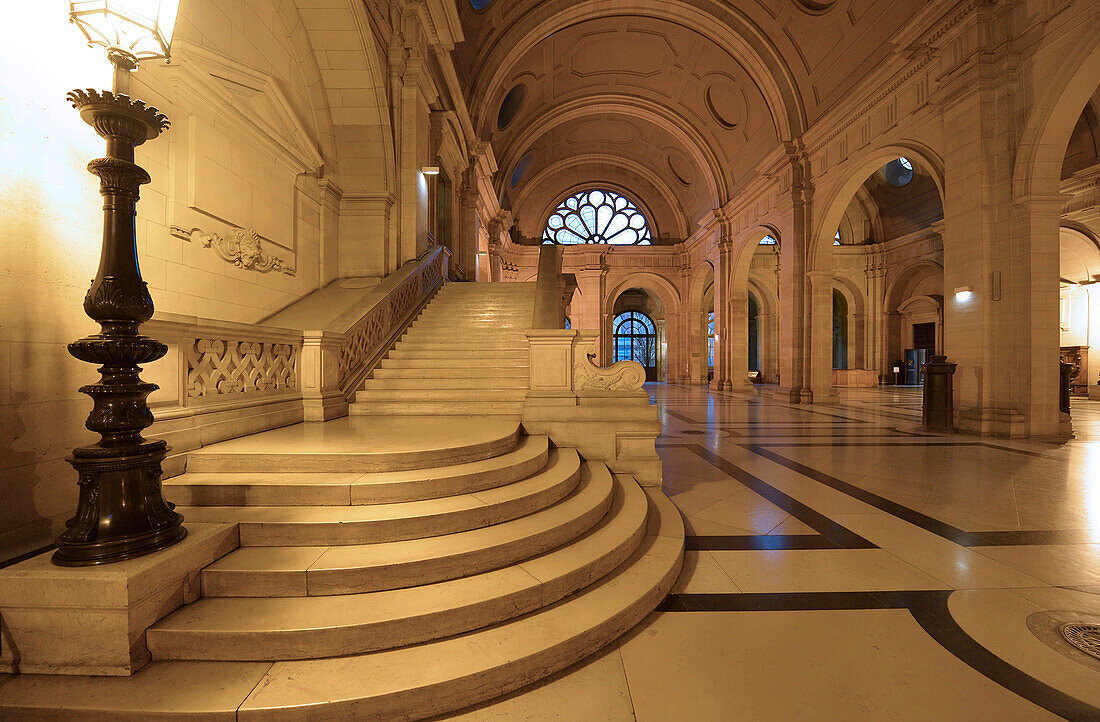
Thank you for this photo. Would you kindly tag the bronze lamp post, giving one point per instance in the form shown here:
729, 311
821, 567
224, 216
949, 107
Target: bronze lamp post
120, 512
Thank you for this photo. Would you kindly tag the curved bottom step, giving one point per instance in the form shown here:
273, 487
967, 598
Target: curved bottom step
407, 683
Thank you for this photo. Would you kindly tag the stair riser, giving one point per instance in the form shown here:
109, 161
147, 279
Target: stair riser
418, 527
449, 363
370, 393
232, 583
442, 408
332, 642
428, 486
519, 372
455, 354
349, 462
445, 384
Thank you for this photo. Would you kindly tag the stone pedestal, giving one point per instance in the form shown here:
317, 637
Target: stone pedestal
938, 413
92, 620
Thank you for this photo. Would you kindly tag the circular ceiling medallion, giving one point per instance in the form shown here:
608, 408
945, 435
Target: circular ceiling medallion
724, 103
680, 169
814, 7
510, 106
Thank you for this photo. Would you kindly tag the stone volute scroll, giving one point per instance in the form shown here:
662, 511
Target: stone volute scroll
623, 375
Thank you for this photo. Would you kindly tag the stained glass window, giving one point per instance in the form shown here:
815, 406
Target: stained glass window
768, 240
836, 239
634, 337
597, 217
898, 172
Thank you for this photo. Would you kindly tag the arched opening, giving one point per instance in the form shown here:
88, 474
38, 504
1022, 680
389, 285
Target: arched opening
634, 338
1079, 309
638, 332
754, 336
840, 330
914, 321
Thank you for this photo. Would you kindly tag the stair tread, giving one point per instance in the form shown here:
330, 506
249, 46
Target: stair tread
336, 488
251, 571
301, 627
415, 681
360, 524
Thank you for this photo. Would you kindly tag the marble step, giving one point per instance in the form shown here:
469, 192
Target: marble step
366, 524
371, 393
319, 571
258, 629
408, 683
437, 408
469, 354
446, 383
334, 489
490, 372
347, 445
464, 363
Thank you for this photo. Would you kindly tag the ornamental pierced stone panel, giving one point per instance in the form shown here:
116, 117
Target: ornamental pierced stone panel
362, 340
243, 248
217, 367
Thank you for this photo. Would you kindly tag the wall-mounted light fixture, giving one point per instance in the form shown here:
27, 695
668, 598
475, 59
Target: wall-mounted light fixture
430, 170
963, 294
120, 512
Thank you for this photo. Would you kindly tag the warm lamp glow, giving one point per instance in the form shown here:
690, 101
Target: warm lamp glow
963, 294
142, 28
430, 170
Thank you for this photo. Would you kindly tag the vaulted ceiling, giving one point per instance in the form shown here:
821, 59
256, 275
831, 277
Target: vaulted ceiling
672, 102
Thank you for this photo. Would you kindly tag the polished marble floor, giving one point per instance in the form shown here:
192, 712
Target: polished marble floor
842, 565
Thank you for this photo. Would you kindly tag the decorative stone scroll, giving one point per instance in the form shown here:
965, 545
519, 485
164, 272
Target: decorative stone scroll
217, 367
620, 376
243, 248
363, 341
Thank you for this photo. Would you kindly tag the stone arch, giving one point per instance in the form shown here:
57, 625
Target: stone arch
835, 199
700, 299
900, 303
857, 320
637, 108
679, 220
726, 26
1038, 162
667, 294
767, 329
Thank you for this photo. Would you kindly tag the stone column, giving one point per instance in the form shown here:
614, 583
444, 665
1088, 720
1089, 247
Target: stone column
821, 337
876, 299
722, 310
738, 344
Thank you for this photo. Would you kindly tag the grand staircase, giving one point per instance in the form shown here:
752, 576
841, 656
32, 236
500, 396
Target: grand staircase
395, 566
465, 354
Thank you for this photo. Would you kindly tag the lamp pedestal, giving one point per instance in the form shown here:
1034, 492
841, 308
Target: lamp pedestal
120, 513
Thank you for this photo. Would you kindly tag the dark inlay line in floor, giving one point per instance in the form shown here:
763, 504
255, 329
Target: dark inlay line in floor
842, 536
927, 441
929, 609
758, 542
928, 523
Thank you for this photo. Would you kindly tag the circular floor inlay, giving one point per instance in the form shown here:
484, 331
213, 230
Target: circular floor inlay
1085, 637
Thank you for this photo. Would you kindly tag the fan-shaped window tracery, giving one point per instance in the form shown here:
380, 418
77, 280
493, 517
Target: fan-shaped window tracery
597, 216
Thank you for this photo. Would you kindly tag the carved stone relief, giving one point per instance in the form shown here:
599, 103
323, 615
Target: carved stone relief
243, 248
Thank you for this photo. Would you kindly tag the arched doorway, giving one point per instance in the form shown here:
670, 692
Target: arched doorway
840, 330
754, 335
634, 338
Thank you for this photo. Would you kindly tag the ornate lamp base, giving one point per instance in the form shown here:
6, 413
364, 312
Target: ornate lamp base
121, 512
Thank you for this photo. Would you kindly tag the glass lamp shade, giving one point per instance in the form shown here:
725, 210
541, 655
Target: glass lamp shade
140, 27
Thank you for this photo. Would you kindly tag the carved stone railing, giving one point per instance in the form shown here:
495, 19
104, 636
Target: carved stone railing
603, 412
220, 380
367, 339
